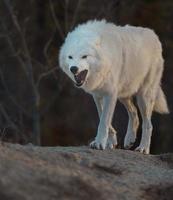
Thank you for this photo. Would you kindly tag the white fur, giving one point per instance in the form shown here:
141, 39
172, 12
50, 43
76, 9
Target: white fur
122, 62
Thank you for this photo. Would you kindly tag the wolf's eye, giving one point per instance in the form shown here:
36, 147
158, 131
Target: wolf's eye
70, 57
85, 56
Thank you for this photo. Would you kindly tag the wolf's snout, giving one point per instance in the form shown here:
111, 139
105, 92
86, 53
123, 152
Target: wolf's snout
74, 69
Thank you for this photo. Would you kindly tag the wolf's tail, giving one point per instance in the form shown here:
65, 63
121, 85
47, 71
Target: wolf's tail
161, 105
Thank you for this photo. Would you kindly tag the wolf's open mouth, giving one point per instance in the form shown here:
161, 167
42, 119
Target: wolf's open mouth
80, 77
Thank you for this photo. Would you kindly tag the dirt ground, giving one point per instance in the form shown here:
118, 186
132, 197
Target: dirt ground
48, 173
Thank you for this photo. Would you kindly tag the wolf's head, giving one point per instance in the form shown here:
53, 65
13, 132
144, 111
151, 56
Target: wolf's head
80, 59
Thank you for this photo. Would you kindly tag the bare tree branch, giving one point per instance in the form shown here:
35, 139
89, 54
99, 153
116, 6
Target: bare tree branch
38, 63
26, 62
13, 16
79, 3
6, 116
66, 16
43, 75
11, 96
29, 66
56, 21
12, 48
3, 132
47, 45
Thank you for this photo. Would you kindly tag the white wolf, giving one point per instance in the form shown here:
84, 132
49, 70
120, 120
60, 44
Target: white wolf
113, 62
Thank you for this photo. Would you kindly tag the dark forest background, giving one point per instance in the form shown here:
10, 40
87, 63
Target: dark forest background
38, 103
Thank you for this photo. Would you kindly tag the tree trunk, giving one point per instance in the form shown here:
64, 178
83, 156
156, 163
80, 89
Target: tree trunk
36, 133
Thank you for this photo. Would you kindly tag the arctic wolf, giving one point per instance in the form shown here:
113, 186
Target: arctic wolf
117, 63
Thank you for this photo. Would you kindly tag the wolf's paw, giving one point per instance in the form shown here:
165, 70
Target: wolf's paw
98, 144
129, 140
143, 149
111, 141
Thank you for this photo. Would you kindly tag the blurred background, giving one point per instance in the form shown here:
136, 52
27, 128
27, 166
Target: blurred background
38, 103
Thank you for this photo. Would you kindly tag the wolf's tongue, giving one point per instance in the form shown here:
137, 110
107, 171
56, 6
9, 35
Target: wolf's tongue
77, 79
81, 76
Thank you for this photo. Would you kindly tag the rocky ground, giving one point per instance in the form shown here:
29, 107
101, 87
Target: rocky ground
48, 173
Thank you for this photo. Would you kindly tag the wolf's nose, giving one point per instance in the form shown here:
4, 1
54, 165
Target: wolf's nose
74, 69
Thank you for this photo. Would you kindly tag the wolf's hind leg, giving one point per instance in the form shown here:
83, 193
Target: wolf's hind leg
146, 104
132, 124
146, 98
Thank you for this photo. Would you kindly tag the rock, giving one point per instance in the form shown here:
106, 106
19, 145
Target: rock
73, 173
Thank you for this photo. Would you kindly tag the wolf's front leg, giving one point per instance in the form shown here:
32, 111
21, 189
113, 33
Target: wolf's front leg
100, 141
112, 137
